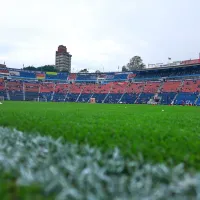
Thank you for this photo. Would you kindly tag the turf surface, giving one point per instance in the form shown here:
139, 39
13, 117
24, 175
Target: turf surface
169, 136
40, 167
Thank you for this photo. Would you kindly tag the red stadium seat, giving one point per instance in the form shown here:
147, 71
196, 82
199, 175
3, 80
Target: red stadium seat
171, 86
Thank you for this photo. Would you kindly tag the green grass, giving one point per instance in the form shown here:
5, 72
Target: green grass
11, 191
172, 136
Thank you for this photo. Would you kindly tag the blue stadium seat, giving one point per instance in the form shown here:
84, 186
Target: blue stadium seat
31, 96
129, 98
84, 98
59, 97
45, 96
86, 77
144, 98
113, 98
167, 97
198, 102
62, 76
71, 97
16, 95
121, 76
99, 97
185, 98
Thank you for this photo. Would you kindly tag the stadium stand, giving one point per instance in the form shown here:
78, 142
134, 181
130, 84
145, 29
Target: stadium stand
191, 86
171, 86
166, 98
129, 98
143, 98
60, 92
197, 103
86, 77
46, 91
27, 74
135, 87
116, 91
168, 91
87, 92
168, 85
56, 76
4, 71
3, 89
72, 76
118, 87
185, 98
151, 87
110, 76
31, 90
121, 76
169, 72
74, 92
15, 89
188, 93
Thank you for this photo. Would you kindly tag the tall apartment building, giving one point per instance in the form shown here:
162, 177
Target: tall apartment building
63, 59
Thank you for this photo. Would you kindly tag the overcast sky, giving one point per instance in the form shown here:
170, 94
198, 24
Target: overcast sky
98, 33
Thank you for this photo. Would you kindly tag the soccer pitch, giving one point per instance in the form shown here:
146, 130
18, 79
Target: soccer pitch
167, 135
159, 135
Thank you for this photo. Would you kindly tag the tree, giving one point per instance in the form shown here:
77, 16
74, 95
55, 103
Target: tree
83, 71
135, 63
124, 69
97, 72
45, 68
30, 68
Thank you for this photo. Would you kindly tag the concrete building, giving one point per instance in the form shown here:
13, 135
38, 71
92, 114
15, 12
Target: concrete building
2, 65
63, 59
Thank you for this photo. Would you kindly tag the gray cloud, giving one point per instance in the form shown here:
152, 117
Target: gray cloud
98, 32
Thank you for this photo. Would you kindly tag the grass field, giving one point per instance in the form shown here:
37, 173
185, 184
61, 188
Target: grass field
161, 134
172, 134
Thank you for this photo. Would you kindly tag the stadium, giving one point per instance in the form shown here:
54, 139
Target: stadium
167, 85
115, 135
